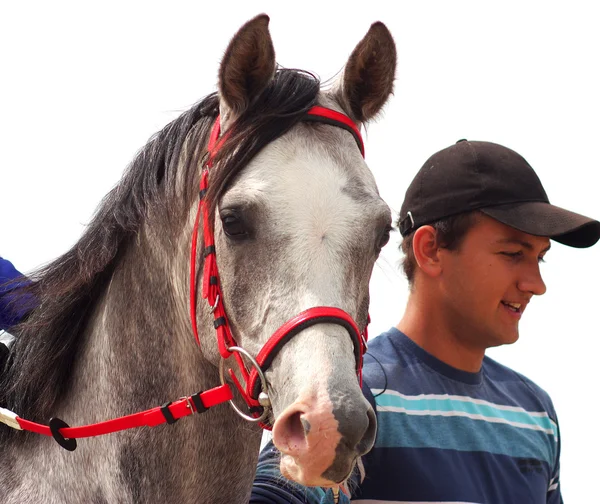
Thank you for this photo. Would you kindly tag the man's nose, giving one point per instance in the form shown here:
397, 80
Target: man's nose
531, 281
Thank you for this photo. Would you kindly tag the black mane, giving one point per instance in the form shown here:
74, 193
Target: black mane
62, 294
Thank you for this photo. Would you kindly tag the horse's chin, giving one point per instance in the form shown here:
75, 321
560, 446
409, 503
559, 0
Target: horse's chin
307, 476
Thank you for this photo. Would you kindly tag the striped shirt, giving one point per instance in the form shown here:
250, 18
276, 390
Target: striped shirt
444, 435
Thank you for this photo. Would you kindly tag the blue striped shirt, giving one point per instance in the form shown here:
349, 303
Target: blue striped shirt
445, 435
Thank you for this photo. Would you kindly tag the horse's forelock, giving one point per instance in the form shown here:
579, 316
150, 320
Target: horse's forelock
277, 109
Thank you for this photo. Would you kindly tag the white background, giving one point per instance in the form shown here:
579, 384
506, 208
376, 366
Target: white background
83, 87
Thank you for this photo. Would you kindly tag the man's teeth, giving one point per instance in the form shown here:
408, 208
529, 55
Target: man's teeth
514, 306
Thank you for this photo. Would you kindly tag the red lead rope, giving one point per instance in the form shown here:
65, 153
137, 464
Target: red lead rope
167, 413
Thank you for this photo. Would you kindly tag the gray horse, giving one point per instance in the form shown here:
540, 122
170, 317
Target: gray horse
298, 223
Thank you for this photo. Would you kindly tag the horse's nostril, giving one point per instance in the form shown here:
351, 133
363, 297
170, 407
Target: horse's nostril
291, 430
305, 425
294, 431
366, 443
295, 426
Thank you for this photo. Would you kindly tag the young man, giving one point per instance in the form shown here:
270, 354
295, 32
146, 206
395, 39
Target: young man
454, 425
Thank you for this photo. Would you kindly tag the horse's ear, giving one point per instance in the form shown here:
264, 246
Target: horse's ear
247, 67
369, 74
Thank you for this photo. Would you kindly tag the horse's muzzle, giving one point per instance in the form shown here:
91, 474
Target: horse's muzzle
320, 443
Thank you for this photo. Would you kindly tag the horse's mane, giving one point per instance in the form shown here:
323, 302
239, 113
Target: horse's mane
62, 294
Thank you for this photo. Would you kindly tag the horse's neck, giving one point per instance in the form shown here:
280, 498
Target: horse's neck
136, 342
138, 354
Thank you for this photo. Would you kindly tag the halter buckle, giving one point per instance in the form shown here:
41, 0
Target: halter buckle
213, 307
364, 342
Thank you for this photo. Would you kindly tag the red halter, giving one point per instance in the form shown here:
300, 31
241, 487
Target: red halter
211, 290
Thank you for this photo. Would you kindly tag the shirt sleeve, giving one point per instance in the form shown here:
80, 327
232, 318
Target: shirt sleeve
271, 487
10, 314
554, 496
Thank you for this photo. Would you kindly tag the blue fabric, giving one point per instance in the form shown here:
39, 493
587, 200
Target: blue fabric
270, 487
10, 311
445, 435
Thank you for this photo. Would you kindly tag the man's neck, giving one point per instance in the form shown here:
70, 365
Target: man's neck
426, 326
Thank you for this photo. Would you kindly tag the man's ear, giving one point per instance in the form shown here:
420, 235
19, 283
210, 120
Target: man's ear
426, 251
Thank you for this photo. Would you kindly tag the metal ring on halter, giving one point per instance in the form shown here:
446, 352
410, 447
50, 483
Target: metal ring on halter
214, 307
261, 376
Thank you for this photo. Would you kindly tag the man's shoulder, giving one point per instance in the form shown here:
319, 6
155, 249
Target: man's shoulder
383, 358
522, 386
501, 373
393, 363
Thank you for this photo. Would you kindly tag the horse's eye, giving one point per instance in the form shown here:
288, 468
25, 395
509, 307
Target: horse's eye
384, 238
234, 226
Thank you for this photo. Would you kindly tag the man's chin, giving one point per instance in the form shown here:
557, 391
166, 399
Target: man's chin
506, 338
512, 336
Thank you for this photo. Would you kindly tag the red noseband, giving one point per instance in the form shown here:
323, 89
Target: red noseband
310, 317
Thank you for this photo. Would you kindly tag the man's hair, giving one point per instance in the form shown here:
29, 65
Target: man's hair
450, 233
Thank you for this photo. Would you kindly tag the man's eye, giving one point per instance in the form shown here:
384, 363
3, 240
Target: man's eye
513, 255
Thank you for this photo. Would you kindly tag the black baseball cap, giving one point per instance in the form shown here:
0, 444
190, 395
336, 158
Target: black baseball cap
497, 181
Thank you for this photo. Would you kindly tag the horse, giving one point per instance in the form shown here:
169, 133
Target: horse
291, 215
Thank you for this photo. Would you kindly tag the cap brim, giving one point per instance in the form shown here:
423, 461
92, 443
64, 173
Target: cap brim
543, 219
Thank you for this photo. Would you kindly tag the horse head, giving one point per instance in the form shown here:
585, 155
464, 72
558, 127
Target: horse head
300, 227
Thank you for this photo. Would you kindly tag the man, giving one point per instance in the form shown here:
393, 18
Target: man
454, 425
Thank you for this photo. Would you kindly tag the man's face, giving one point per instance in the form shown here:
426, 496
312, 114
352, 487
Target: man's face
487, 283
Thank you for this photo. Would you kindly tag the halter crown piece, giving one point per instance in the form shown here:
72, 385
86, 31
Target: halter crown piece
255, 390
